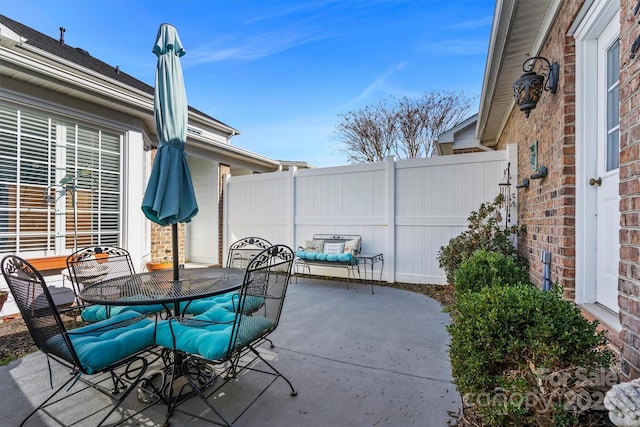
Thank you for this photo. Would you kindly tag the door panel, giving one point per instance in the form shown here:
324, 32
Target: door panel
606, 184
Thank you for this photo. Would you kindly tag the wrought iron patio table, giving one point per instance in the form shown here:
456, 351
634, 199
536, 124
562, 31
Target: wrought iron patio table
158, 287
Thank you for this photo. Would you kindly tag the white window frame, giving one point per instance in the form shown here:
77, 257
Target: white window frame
56, 234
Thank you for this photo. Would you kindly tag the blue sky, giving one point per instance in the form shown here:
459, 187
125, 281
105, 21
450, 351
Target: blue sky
282, 71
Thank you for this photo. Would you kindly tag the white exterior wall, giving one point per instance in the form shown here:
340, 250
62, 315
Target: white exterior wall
202, 231
404, 209
256, 205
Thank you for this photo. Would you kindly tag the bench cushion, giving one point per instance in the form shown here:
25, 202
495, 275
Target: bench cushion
346, 257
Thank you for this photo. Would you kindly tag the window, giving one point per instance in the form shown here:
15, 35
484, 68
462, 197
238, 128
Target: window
47, 166
613, 107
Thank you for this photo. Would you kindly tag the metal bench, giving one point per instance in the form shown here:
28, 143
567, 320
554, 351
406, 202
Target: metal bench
316, 252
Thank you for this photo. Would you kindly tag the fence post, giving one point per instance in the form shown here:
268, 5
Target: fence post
291, 211
390, 250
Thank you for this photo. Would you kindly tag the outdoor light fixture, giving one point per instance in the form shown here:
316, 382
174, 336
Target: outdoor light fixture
528, 88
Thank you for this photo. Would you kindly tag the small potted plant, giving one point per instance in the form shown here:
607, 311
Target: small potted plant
164, 263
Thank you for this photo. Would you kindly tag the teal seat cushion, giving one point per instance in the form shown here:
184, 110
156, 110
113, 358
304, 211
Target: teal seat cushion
301, 254
251, 303
201, 305
322, 257
332, 257
210, 341
101, 344
98, 312
217, 314
252, 328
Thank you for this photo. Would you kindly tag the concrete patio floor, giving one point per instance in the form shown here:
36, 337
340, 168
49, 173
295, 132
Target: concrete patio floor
355, 359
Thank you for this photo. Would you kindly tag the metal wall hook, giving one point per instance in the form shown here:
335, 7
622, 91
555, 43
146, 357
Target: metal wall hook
541, 173
524, 183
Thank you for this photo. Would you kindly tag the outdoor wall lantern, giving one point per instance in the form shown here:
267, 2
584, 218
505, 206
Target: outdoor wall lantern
528, 88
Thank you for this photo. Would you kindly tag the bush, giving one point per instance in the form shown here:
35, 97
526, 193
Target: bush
520, 356
484, 232
486, 268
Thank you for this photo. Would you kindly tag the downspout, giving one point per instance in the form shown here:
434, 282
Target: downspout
233, 133
483, 147
546, 270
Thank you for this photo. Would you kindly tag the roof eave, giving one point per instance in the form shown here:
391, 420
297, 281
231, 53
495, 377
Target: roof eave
520, 27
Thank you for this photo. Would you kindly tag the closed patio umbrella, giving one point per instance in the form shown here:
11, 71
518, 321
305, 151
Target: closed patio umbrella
169, 197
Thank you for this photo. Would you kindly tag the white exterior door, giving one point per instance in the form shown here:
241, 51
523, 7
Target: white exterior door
607, 179
597, 147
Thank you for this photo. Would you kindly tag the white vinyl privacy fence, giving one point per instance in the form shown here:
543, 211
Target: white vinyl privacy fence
404, 209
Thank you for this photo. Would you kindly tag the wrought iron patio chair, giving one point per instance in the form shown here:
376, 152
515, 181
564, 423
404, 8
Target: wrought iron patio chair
243, 251
220, 337
98, 263
240, 254
115, 347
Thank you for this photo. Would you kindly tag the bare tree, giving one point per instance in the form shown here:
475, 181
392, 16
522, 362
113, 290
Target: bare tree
408, 128
368, 134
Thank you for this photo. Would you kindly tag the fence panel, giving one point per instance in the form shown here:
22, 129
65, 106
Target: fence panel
406, 209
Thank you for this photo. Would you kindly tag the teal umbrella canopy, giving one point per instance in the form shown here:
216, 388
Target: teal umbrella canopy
169, 197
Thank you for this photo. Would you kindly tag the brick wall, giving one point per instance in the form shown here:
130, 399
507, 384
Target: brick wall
547, 207
161, 243
629, 281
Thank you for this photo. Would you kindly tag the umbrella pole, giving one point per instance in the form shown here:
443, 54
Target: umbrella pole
174, 240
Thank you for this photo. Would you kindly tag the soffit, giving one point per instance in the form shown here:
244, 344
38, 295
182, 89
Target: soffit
519, 26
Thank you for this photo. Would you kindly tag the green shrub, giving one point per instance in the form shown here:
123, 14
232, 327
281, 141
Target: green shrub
519, 355
485, 268
484, 232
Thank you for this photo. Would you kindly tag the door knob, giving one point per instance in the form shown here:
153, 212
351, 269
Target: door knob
594, 181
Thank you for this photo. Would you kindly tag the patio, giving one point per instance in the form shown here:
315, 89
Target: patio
355, 359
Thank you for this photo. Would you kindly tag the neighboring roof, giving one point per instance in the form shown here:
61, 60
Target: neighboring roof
84, 59
519, 28
449, 134
459, 137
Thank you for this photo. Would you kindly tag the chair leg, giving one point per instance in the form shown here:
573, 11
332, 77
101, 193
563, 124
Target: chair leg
43, 405
197, 389
279, 374
134, 376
